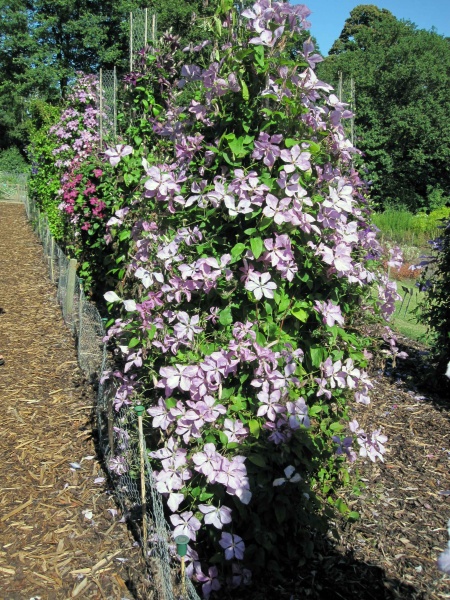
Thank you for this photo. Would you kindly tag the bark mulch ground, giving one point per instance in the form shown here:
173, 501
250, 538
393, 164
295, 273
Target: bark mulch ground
59, 534
391, 551
52, 548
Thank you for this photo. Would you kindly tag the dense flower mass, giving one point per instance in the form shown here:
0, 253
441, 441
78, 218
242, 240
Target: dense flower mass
243, 253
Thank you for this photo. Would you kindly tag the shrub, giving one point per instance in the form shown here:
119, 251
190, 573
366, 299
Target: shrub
244, 260
250, 256
12, 161
435, 308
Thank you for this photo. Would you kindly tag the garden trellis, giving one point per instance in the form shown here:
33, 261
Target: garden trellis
142, 29
114, 428
108, 105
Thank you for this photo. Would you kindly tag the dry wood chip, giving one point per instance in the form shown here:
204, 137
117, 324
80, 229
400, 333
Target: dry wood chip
17, 510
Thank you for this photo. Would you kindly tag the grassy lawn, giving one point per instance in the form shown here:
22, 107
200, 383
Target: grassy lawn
404, 319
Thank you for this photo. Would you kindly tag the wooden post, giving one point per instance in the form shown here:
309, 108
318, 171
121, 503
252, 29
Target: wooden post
145, 26
70, 290
101, 109
352, 108
110, 417
115, 103
154, 28
52, 264
131, 42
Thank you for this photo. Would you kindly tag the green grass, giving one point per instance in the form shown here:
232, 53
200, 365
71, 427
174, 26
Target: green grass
402, 227
9, 183
404, 319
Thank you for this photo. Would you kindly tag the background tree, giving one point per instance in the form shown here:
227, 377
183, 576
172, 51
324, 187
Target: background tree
401, 76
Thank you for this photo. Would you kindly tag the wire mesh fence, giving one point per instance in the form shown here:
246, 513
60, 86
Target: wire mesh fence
142, 30
107, 106
117, 431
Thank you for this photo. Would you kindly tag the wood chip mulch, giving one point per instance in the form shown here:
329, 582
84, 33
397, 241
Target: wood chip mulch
60, 534
50, 547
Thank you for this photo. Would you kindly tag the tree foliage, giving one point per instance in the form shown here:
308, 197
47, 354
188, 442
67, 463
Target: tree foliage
401, 76
44, 43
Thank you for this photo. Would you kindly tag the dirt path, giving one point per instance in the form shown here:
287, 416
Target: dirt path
58, 537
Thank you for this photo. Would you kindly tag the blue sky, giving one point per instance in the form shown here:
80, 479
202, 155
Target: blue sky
328, 16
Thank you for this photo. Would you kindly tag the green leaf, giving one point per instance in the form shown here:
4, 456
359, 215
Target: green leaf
134, 342
261, 339
318, 355
341, 506
225, 316
336, 427
223, 438
257, 246
245, 92
196, 492
280, 512
237, 250
257, 460
300, 313
233, 445
171, 402
255, 427
259, 56
205, 496
354, 515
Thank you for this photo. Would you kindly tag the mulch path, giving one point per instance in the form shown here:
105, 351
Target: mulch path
50, 547
59, 534
391, 551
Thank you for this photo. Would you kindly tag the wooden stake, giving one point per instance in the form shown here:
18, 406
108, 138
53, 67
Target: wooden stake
140, 411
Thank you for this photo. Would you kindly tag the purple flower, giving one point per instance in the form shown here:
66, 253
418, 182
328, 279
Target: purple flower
187, 327
443, 562
270, 403
185, 524
118, 465
210, 582
208, 462
266, 147
260, 285
234, 430
295, 159
216, 516
330, 312
267, 37
117, 153
233, 545
345, 447
161, 415
290, 476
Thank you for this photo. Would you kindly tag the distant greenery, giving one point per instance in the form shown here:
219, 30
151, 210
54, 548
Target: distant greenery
44, 43
12, 161
401, 78
401, 226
